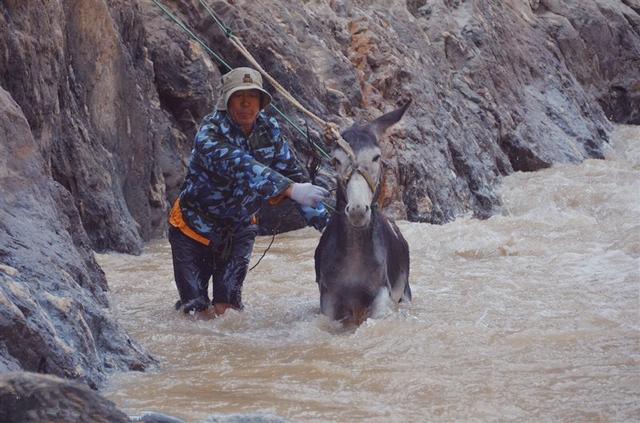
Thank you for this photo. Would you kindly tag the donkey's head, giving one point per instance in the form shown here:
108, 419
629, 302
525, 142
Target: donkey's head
360, 170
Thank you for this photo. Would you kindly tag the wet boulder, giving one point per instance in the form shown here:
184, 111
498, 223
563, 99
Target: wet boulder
33, 398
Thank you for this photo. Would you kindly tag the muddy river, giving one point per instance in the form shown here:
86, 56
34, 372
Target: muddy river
531, 315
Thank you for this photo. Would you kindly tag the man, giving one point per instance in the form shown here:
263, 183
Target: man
238, 162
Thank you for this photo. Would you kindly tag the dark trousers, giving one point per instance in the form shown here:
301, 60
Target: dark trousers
194, 264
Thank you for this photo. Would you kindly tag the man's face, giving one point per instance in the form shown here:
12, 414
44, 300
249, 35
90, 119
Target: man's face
243, 106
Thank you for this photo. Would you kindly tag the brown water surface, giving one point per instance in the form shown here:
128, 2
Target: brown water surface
532, 315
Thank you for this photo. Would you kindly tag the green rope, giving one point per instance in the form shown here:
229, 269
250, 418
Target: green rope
194, 36
331, 208
220, 60
227, 31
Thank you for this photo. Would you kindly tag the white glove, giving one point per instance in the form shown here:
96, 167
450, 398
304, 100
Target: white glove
307, 194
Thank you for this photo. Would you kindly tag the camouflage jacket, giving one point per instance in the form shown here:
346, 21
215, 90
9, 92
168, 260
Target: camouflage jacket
229, 176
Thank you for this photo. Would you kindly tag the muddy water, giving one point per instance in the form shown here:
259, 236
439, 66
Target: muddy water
531, 315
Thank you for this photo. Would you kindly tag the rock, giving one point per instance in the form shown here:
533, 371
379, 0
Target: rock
53, 303
82, 77
32, 398
598, 41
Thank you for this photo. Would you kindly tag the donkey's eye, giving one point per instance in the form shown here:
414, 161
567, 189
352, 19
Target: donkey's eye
337, 163
376, 158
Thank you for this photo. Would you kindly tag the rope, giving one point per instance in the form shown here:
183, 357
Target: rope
332, 131
194, 36
227, 31
331, 208
330, 127
228, 67
273, 238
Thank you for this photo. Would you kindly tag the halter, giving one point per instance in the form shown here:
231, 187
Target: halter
365, 175
333, 135
375, 189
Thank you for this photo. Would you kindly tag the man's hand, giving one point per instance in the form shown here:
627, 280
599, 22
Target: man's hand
306, 194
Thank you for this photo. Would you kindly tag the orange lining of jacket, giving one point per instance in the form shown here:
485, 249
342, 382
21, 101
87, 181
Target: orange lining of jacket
176, 220
273, 201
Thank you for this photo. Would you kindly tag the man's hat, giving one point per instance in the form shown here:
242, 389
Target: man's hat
240, 79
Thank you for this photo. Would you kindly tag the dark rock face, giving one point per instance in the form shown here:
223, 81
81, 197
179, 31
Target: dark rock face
82, 76
99, 102
599, 44
53, 303
32, 398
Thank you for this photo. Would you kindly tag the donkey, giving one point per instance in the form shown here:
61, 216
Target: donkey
362, 258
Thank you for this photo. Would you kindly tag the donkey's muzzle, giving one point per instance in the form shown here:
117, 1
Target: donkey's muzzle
358, 215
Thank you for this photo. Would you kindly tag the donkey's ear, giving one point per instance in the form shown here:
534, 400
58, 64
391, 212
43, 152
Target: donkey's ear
381, 124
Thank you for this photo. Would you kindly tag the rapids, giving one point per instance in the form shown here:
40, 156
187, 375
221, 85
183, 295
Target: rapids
533, 314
